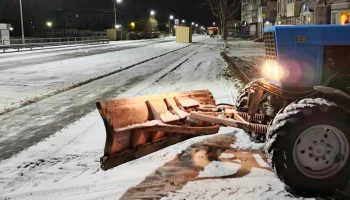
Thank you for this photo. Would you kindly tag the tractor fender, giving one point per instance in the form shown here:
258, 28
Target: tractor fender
338, 96
332, 91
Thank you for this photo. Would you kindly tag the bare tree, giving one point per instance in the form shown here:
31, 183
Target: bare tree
224, 10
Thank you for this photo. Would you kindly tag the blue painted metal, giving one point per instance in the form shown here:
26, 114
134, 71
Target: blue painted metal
301, 62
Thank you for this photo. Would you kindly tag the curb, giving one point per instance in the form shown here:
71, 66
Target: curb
233, 67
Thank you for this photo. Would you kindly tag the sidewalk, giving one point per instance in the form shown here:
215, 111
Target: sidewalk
245, 58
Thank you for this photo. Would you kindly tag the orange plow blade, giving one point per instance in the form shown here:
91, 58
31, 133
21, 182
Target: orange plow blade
139, 126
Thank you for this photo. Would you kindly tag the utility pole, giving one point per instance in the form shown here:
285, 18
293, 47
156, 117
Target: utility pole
170, 18
115, 14
20, 6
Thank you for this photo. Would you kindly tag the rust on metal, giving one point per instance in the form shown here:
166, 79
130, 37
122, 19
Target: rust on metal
256, 117
135, 122
139, 126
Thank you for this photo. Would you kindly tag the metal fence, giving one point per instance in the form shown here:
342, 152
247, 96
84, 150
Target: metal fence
31, 43
50, 40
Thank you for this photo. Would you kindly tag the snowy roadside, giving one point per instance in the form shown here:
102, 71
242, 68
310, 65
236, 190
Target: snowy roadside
252, 52
35, 82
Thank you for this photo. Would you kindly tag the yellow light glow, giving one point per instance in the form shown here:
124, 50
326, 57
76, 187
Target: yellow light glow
132, 25
49, 24
271, 70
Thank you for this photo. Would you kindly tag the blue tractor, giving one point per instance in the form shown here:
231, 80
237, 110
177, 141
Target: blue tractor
305, 96
300, 108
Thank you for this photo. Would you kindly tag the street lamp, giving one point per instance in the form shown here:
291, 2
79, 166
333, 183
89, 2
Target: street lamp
170, 18
192, 23
115, 11
213, 23
20, 7
49, 24
11, 29
152, 13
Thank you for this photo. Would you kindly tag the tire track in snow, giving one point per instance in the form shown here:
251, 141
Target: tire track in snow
117, 185
32, 100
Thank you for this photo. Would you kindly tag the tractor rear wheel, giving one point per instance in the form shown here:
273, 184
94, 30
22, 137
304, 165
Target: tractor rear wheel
309, 146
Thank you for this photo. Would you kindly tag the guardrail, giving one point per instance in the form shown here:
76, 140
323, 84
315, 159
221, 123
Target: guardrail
45, 42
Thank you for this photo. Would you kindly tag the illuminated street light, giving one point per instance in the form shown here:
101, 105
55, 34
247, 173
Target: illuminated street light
196, 25
49, 24
183, 21
115, 11
117, 26
192, 23
214, 23
170, 18
11, 29
152, 13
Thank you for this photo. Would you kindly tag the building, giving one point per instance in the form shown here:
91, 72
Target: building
249, 17
82, 20
257, 14
340, 12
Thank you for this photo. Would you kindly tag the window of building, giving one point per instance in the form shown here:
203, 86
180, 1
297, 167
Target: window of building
334, 17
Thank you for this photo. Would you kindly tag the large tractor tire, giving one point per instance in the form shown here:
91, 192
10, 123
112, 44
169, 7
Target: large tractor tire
309, 146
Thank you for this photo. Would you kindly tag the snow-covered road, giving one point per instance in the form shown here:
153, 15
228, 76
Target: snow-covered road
40, 74
25, 126
66, 164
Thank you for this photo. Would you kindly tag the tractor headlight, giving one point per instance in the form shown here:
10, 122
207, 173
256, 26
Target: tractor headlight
271, 70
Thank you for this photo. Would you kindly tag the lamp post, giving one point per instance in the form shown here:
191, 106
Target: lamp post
49, 25
183, 21
115, 11
170, 18
195, 29
20, 7
152, 15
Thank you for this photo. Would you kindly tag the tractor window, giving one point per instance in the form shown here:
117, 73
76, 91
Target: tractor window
336, 60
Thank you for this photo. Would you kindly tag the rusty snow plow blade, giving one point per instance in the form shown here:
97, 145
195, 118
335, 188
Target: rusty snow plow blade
142, 125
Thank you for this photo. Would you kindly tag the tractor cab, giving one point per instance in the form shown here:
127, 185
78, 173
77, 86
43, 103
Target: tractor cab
306, 56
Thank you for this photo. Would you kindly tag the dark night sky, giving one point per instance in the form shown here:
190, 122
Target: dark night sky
182, 9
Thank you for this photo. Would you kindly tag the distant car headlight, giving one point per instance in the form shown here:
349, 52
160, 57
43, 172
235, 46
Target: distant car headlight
271, 70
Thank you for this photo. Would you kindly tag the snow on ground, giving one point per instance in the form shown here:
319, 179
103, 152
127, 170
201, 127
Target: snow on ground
36, 81
66, 165
204, 70
253, 52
